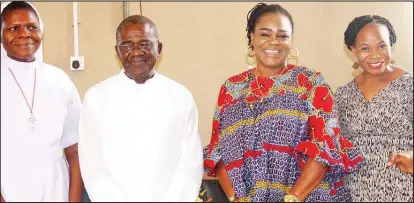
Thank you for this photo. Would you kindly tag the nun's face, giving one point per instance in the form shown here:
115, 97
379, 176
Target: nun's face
21, 34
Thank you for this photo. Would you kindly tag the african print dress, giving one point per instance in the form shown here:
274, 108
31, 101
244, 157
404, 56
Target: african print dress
265, 129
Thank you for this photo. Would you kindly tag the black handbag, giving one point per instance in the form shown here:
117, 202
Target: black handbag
212, 189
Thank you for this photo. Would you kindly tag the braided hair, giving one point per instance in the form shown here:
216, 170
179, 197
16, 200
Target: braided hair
359, 22
261, 9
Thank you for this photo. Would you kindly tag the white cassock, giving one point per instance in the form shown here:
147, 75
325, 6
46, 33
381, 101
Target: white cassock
140, 142
33, 165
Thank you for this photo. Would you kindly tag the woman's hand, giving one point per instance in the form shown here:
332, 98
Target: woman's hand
403, 161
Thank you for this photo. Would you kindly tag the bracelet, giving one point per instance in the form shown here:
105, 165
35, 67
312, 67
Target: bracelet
291, 198
231, 198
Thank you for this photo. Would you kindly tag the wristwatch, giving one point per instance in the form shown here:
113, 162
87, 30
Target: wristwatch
291, 198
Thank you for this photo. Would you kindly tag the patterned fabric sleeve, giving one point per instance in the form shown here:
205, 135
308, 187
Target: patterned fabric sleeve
339, 102
338, 98
326, 144
212, 151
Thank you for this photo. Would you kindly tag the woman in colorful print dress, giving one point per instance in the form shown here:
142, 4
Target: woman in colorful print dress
275, 133
376, 114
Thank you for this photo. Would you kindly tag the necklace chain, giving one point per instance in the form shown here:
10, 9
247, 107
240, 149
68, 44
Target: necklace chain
34, 90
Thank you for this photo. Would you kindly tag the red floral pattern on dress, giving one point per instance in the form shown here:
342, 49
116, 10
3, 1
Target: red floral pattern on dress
208, 163
215, 133
345, 143
216, 126
243, 77
329, 142
323, 99
317, 131
251, 99
304, 96
308, 148
337, 131
316, 128
265, 84
303, 81
336, 186
213, 144
345, 160
224, 99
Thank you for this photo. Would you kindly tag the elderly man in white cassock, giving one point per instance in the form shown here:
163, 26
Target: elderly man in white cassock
40, 109
138, 133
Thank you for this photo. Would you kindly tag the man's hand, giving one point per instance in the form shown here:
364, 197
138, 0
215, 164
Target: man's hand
403, 161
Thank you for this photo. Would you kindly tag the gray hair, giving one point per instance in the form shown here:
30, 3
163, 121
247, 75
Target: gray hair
137, 19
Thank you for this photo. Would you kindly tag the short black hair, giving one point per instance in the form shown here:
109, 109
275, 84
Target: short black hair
14, 5
260, 9
359, 22
136, 19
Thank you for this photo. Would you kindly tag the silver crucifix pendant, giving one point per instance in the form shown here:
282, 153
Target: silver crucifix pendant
32, 121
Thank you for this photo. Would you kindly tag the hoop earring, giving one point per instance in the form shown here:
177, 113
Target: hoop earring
355, 65
250, 52
294, 57
250, 57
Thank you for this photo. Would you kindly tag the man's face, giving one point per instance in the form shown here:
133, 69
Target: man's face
21, 34
138, 49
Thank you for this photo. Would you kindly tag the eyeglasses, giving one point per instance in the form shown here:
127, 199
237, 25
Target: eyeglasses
129, 46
